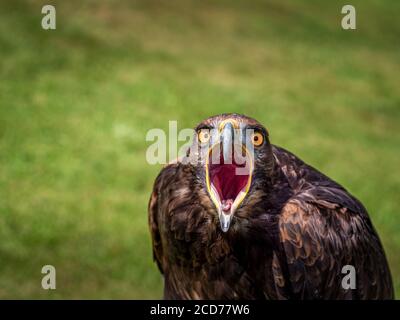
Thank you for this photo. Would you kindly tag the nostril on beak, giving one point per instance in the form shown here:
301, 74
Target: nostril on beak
227, 136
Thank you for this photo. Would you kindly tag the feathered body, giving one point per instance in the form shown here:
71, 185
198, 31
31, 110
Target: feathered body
289, 238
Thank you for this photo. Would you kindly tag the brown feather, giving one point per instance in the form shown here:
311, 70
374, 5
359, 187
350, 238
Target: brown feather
289, 239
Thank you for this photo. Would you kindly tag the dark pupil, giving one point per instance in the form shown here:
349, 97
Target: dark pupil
255, 138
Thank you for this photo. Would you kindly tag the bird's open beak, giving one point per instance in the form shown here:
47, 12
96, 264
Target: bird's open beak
229, 168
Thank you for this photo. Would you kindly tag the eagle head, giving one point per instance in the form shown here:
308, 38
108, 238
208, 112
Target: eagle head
245, 219
233, 154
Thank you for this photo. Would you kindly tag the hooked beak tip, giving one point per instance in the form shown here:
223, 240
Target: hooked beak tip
225, 221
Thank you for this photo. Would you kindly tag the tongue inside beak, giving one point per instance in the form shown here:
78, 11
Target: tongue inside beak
226, 205
228, 183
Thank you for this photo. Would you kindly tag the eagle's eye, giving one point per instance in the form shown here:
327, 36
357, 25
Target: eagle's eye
257, 139
204, 136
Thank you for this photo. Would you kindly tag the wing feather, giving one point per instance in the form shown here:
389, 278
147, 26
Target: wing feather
321, 231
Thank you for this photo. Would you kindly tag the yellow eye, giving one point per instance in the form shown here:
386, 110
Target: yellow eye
257, 139
204, 136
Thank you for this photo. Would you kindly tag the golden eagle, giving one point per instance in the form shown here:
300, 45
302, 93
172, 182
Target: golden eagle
278, 229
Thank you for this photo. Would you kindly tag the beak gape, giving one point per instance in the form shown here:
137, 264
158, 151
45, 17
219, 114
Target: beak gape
229, 167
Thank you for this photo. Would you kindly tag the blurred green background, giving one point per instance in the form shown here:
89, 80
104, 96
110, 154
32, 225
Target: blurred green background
76, 103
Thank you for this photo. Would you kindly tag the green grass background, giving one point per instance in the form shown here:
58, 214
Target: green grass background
76, 103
